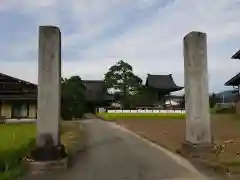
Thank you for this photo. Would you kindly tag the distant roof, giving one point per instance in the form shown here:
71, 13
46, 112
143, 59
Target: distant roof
162, 82
236, 55
96, 90
4, 76
234, 81
94, 85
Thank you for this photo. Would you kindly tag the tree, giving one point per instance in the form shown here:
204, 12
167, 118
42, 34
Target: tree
73, 97
120, 77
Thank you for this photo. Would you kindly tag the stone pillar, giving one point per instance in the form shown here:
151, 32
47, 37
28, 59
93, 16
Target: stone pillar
49, 74
198, 130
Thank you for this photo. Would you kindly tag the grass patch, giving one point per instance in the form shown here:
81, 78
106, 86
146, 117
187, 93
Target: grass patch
18, 139
119, 116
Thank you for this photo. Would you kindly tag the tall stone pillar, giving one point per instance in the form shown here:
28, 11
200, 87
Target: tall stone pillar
198, 129
49, 74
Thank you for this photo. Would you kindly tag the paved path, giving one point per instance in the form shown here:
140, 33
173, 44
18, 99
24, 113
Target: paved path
113, 154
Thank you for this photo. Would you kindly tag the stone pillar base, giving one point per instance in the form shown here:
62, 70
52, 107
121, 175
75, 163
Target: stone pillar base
196, 150
48, 153
46, 158
36, 167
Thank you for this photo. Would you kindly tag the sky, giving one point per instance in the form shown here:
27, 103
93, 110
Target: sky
148, 34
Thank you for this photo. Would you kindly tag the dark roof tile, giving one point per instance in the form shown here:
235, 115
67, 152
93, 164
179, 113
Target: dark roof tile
162, 82
234, 81
4, 77
19, 89
96, 90
94, 85
236, 55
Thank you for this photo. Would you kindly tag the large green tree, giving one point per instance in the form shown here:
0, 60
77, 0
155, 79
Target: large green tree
120, 77
73, 97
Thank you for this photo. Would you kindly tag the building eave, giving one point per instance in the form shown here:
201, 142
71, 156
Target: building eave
18, 80
236, 55
234, 81
167, 84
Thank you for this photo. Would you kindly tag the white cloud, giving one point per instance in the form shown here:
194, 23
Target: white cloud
152, 43
26, 5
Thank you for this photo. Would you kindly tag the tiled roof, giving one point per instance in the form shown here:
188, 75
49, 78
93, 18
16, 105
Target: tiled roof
4, 77
236, 55
96, 90
234, 81
162, 82
12, 88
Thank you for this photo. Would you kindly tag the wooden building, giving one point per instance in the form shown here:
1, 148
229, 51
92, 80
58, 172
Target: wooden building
157, 90
161, 86
17, 98
96, 95
235, 82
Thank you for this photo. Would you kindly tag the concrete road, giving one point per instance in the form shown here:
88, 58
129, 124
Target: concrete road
115, 154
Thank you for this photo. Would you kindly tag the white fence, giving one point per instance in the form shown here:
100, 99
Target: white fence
148, 111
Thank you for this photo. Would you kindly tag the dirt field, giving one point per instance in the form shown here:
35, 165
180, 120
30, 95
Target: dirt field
170, 133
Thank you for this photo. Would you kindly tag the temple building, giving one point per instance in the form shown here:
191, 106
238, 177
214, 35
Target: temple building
161, 85
157, 90
96, 95
17, 98
235, 82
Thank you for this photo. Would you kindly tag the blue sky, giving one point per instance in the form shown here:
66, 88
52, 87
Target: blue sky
147, 34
